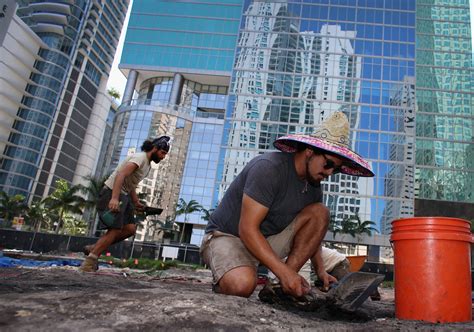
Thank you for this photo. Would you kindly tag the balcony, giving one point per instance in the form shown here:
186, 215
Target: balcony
46, 27
51, 7
53, 18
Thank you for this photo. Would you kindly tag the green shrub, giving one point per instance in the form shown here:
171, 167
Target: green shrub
387, 284
141, 263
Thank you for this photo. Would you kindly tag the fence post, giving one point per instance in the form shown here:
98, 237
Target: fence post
68, 241
133, 247
157, 254
32, 240
185, 252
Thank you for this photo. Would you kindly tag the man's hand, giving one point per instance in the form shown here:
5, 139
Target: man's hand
139, 206
327, 279
114, 205
294, 284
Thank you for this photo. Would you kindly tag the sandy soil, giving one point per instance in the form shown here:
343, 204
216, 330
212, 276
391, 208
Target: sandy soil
64, 299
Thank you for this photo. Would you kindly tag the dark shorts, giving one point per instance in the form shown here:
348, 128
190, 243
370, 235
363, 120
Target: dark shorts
126, 214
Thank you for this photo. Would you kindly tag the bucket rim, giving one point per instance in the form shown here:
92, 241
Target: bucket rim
430, 218
420, 235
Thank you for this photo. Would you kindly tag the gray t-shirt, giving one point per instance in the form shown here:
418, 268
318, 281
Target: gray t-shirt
271, 180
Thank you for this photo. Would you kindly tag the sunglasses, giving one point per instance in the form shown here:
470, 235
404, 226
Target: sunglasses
330, 164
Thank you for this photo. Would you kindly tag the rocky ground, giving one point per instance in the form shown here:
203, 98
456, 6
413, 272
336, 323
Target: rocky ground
64, 299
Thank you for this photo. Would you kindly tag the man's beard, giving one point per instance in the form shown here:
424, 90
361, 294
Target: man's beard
309, 178
155, 158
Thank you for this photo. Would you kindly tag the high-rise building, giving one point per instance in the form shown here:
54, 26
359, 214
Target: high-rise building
178, 56
387, 65
58, 123
445, 113
400, 70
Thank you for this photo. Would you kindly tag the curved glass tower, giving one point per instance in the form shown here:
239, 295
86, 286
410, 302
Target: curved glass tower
195, 125
178, 57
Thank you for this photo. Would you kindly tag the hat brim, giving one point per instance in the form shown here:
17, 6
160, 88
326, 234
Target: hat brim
353, 163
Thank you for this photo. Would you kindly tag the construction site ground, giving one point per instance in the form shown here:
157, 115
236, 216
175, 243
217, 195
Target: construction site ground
64, 299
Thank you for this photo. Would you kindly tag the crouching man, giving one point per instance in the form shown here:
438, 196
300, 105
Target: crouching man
273, 209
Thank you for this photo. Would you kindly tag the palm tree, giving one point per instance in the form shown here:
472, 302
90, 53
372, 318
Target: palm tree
74, 226
36, 215
362, 227
92, 191
64, 200
113, 92
11, 206
186, 208
168, 227
207, 214
333, 226
346, 227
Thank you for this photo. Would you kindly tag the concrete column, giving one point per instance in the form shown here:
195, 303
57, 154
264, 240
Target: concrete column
130, 86
373, 254
176, 89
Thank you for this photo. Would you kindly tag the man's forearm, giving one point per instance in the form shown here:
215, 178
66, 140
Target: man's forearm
317, 261
134, 196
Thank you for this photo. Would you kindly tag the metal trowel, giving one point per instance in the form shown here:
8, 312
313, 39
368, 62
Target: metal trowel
347, 294
353, 289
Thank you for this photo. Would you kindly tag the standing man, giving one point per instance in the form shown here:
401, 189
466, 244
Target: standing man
273, 210
118, 196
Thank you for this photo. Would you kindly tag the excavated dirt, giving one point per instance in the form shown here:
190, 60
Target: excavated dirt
64, 299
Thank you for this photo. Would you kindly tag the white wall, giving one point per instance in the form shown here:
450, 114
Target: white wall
89, 156
17, 56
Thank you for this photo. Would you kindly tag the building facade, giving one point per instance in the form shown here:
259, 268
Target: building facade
400, 70
350, 56
178, 59
18, 52
59, 121
444, 117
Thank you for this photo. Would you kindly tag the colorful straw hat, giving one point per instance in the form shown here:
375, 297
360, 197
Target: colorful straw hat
332, 136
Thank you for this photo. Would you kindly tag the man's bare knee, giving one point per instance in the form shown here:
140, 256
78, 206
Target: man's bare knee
240, 281
318, 210
128, 230
316, 213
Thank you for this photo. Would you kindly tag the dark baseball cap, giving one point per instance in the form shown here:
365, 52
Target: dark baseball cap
162, 143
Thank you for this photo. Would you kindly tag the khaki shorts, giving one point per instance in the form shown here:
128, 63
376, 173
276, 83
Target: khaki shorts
223, 252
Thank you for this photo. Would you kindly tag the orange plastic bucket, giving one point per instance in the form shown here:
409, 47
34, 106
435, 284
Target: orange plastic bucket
432, 269
356, 262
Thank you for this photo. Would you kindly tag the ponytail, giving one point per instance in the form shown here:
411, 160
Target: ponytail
147, 146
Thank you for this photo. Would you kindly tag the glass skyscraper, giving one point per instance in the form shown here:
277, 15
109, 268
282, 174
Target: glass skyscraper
400, 70
299, 62
178, 57
444, 117
58, 123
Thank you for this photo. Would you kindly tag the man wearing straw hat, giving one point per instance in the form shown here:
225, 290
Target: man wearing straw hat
273, 210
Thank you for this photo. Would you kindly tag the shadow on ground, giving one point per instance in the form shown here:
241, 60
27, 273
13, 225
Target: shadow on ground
61, 298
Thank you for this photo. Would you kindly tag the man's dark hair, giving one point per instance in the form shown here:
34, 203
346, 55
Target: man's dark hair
161, 143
